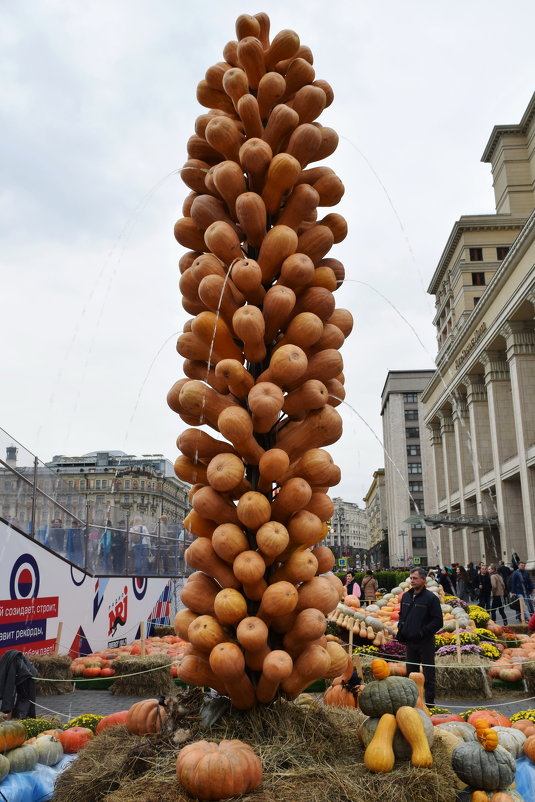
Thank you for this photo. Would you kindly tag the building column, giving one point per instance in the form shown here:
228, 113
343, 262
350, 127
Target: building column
450, 468
433, 480
520, 341
461, 427
481, 446
503, 439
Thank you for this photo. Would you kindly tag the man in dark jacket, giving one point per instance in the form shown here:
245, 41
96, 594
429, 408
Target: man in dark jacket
419, 618
485, 587
522, 587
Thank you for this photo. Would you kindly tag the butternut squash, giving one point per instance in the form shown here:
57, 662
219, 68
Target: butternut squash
272, 538
213, 98
235, 84
296, 271
229, 540
197, 444
188, 235
279, 304
212, 330
294, 495
219, 297
305, 528
228, 663
276, 668
225, 472
312, 394
230, 53
283, 46
303, 144
271, 88
299, 73
197, 369
223, 241
214, 75
251, 57
280, 178
339, 228
253, 509
238, 380
379, 754
287, 365
212, 505
411, 725
250, 116
264, 23
247, 277
329, 142
198, 148
229, 181
321, 427
248, 324
193, 174
252, 217
224, 137
246, 25
230, 606
199, 592
201, 556
255, 158
189, 471
237, 426
311, 665
301, 202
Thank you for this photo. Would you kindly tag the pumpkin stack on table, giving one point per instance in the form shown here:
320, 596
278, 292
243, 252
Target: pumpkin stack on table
262, 370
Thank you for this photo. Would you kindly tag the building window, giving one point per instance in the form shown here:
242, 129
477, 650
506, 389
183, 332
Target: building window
70, 483
104, 484
416, 487
97, 484
411, 414
82, 484
418, 542
412, 432
127, 484
414, 467
476, 254
142, 484
410, 398
126, 498
478, 279
502, 251
100, 499
413, 451
476, 301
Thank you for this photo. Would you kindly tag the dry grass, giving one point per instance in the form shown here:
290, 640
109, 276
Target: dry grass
139, 680
52, 667
307, 755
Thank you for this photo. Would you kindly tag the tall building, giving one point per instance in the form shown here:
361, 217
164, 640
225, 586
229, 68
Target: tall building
131, 486
407, 462
348, 533
375, 501
480, 403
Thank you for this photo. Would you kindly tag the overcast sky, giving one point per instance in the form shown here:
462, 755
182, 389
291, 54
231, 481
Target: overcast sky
97, 101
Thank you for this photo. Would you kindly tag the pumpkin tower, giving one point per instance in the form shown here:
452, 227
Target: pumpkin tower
263, 371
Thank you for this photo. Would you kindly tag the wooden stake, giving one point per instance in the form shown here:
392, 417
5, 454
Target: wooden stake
458, 640
142, 637
522, 614
58, 637
357, 663
350, 644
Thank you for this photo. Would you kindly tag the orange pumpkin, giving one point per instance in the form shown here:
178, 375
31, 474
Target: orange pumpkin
146, 717
237, 768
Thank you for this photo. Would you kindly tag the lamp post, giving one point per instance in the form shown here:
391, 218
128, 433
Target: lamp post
340, 518
403, 534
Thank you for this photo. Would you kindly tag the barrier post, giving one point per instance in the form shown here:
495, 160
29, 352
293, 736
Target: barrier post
350, 644
58, 638
522, 614
142, 637
457, 640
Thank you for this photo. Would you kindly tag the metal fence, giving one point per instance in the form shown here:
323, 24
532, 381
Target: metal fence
101, 538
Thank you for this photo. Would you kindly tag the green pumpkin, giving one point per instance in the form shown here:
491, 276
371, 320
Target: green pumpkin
461, 729
49, 750
511, 739
489, 771
4, 767
402, 748
23, 758
387, 696
12, 734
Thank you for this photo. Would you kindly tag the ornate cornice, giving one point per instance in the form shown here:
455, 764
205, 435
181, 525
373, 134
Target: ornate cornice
476, 389
503, 130
520, 339
446, 422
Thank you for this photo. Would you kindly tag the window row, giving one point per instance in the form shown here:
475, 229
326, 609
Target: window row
476, 254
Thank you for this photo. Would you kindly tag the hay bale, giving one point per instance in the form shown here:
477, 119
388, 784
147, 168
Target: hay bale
53, 667
528, 672
143, 676
307, 755
466, 681
160, 630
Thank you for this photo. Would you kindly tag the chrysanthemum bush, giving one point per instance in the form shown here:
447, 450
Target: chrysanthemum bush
489, 651
436, 710
393, 650
466, 713
453, 601
486, 634
34, 726
444, 651
366, 650
88, 720
524, 714
466, 637
478, 614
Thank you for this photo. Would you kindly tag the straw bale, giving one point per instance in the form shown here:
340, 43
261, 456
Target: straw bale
307, 755
466, 681
528, 671
160, 630
143, 676
53, 667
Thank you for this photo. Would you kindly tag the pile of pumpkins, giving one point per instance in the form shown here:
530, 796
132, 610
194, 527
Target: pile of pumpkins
18, 753
508, 667
377, 622
100, 664
263, 371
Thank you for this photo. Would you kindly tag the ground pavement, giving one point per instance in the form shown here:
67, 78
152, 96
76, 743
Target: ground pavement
102, 703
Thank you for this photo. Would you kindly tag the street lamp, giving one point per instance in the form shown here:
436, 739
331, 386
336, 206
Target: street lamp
403, 534
340, 517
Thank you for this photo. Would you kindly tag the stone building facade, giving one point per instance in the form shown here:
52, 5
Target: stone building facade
480, 403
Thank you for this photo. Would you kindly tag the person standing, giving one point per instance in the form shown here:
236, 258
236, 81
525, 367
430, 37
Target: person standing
485, 588
445, 581
522, 588
369, 587
497, 594
462, 584
140, 541
420, 617
471, 570
118, 548
351, 586
505, 572
104, 547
